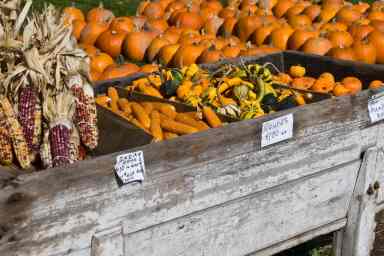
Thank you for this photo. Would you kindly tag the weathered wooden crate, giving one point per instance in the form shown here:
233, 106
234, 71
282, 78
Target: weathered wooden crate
212, 193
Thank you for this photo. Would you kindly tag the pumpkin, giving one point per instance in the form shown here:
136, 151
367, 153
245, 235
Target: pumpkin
158, 26
231, 51
91, 32
299, 37
174, 6
334, 26
376, 38
111, 42
312, 11
228, 26
330, 2
189, 19
340, 39
71, 14
376, 15
187, 55
77, 27
323, 85
282, 7
100, 14
214, 5
207, 13
172, 34
210, 55
246, 26
365, 51
353, 84
297, 71
100, 61
280, 36
376, 84
299, 21
303, 83
122, 25
340, 90
155, 47
328, 12
219, 42
262, 33
89, 49
347, 15
283, 78
166, 53
227, 12
136, 43
115, 71
319, 46
296, 9
360, 32
153, 10
164, 3
378, 25
213, 24
94, 75
149, 68
190, 38
328, 77
361, 7
343, 53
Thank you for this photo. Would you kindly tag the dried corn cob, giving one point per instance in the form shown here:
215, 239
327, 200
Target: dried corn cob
19, 143
37, 131
26, 115
59, 112
74, 144
6, 155
85, 115
45, 151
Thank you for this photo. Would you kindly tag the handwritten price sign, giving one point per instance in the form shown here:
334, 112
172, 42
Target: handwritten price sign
277, 130
130, 167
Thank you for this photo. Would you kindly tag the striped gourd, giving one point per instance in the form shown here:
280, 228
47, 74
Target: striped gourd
6, 154
19, 143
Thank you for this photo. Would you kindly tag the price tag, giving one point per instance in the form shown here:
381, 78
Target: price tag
376, 107
277, 130
130, 167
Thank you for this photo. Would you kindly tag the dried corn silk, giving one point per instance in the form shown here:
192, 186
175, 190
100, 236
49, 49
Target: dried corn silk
6, 154
85, 115
74, 144
19, 143
45, 151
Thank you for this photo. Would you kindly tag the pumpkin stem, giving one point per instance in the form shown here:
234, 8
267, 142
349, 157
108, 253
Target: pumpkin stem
101, 5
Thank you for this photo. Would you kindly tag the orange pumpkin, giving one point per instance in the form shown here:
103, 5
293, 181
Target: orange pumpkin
340, 90
296, 9
111, 42
262, 33
343, 54
348, 15
174, 6
312, 11
328, 12
94, 75
166, 53
280, 36
210, 55
77, 27
353, 84
376, 15
164, 3
115, 71
155, 47
376, 84
122, 25
300, 21
319, 46
340, 39
323, 85
71, 14
187, 55
89, 49
228, 26
100, 14
299, 37
282, 7
246, 26
227, 12
189, 19
153, 10
158, 26
100, 61
365, 51
149, 68
360, 32
334, 26
377, 39
172, 34
303, 83
91, 32
231, 51
378, 25
136, 43
361, 7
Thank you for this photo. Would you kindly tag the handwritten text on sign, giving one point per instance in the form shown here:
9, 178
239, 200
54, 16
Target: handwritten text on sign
130, 167
376, 108
277, 130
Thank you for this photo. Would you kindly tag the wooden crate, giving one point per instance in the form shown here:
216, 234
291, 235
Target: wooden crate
212, 193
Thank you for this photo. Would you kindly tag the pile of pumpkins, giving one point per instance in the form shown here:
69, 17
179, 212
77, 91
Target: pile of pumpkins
176, 33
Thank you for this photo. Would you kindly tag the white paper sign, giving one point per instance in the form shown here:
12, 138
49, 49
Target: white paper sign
376, 108
277, 130
130, 167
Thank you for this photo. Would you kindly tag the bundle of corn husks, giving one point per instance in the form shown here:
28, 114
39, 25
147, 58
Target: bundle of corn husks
47, 108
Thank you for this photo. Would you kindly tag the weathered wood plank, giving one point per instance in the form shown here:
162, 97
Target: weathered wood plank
254, 222
184, 175
359, 232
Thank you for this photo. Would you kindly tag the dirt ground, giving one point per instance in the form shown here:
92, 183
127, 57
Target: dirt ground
379, 241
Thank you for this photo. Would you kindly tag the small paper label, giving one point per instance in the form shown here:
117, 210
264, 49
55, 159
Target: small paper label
376, 107
130, 167
277, 130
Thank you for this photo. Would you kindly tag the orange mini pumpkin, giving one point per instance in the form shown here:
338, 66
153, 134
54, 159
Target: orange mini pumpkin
376, 84
100, 61
299, 37
319, 46
340, 90
91, 32
353, 84
365, 51
71, 14
111, 42
166, 54
312, 11
187, 55
343, 54
155, 47
136, 44
122, 25
340, 39
100, 14
210, 55
303, 83
323, 85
